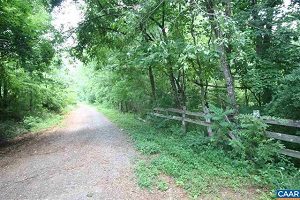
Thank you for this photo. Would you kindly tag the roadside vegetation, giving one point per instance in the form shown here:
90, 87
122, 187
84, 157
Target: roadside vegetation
33, 123
225, 58
221, 57
197, 164
34, 82
235, 56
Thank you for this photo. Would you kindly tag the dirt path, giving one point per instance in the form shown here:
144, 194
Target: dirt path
87, 159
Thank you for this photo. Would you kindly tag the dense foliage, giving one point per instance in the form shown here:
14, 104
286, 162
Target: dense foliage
30, 80
233, 54
286, 100
225, 57
222, 56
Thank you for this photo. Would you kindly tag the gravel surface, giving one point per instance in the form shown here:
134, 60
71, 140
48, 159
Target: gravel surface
89, 158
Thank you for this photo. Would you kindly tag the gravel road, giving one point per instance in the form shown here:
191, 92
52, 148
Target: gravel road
88, 158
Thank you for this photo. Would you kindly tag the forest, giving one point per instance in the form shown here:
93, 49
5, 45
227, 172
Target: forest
222, 57
232, 54
31, 71
225, 57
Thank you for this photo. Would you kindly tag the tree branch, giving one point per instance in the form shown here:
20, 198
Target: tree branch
156, 22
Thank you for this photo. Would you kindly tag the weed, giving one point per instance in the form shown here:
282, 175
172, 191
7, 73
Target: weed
10, 129
146, 174
148, 147
30, 122
34, 124
162, 185
195, 163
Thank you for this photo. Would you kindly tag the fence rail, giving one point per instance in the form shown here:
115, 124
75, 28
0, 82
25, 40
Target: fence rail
279, 136
287, 122
283, 137
196, 114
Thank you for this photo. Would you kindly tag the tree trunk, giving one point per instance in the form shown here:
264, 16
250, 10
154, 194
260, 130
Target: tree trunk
202, 92
5, 93
266, 96
148, 38
0, 88
205, 109
183, 88
183, 120
31, 101
228, 79
263, 39
246, 98
152, 82
1, 80
174, 88
224, 62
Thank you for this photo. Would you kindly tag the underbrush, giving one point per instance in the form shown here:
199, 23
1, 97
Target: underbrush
36, 123
196, 164
33, 122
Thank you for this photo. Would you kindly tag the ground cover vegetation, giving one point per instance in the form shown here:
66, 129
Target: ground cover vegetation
32, 90
222, 57
199, 165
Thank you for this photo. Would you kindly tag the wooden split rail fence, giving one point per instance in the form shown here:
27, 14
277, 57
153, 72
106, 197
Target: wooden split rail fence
165, 113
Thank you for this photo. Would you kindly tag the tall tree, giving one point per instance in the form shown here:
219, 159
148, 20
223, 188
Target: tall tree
224, 49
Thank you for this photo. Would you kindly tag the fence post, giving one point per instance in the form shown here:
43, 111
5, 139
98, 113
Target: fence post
183, 120
209, 130
256, 113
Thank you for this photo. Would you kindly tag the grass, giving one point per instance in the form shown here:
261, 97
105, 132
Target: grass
196, 165
33, 123
37, 124
48, 120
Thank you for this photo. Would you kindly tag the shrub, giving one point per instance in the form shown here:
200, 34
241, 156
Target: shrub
9, 129
252, 143
244, 137
31, 121
221, 127
285, 103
